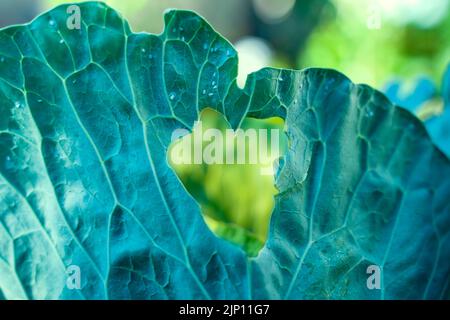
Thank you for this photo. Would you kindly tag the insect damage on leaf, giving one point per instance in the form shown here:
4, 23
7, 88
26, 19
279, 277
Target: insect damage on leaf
230, 173
86, 117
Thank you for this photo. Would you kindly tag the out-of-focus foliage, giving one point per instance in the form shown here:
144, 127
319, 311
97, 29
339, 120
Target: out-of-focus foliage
288, 33
236, 199
410, 95
372, 41
429, 104
439, 125
18, 11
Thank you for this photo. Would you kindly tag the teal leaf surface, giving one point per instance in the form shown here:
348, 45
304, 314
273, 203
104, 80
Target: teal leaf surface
86, 118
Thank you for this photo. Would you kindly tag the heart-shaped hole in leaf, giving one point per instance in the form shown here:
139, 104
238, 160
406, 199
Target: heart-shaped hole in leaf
230, 173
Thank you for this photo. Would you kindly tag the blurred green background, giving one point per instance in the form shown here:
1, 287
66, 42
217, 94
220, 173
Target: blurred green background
371, 41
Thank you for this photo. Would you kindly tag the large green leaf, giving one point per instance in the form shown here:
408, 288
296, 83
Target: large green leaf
86, 120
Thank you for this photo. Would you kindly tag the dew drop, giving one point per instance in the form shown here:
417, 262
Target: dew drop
172, 96
8, 162
213, 83
204, 91
2, 59
51, 22
39, 100
61, 41
143, 50
210, 94
17, 104
205, 46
